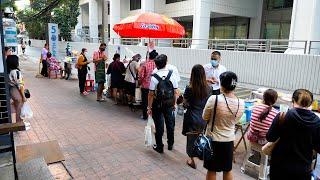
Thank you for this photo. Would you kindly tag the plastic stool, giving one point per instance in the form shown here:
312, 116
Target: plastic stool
89, 85
262, 169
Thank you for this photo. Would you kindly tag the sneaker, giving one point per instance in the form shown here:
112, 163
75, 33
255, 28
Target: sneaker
158, 149
85, 93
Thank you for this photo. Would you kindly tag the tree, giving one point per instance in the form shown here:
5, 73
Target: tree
66, 16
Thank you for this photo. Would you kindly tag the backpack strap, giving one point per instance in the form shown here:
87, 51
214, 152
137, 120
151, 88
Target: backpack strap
169, 75
157, 77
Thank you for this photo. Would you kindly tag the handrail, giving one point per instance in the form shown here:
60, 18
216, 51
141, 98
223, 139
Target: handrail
254, 45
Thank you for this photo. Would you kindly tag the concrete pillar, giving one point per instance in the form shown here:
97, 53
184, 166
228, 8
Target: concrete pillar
78, 27
114, 19
93, 21
255, 23
305, 25
147, 5
201, 24
105, 21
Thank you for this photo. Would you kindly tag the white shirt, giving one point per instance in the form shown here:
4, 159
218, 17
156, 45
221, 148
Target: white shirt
133, 67
16, 78
162, 73
214, 72
175, 72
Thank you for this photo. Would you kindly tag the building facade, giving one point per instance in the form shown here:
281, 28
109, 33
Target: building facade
209, 19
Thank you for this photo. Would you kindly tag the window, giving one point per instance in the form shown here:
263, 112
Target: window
280, 30
135, 4
173, 1
279, 4
229, 28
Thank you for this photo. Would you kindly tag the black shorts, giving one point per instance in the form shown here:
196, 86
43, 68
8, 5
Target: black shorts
223, 157
131, 88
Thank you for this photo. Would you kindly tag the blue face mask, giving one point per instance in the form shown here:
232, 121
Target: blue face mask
214, 62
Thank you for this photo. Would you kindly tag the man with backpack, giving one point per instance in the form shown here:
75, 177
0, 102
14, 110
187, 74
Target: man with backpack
162, 102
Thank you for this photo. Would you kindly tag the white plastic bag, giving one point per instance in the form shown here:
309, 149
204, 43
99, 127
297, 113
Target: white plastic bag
137, 96
147, 136
26, 112
149, 131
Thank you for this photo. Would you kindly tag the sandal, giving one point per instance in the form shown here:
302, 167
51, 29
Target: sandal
192, 165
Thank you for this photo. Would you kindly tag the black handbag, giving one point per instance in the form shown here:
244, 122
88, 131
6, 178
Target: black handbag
203, 144
27, 93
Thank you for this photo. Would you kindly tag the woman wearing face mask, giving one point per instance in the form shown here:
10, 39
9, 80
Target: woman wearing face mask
213, 71
83, 70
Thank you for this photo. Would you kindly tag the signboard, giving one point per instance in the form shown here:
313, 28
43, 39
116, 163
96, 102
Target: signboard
10, 33
53, 38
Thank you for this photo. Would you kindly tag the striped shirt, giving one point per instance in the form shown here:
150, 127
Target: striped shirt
258, 130
225, 121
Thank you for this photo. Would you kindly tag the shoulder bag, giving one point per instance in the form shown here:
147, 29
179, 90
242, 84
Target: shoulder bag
203, 144
268, 148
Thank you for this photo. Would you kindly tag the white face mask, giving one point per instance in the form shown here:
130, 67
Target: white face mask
86, 54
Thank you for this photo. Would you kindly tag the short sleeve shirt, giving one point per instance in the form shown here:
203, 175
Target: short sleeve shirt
132, 68
214, 72
162, 73
44, 53
16, 78
175, 72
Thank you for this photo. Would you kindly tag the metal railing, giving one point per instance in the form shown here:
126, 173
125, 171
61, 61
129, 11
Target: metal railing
253, 45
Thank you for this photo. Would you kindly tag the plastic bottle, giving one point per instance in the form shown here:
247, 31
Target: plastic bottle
315, 105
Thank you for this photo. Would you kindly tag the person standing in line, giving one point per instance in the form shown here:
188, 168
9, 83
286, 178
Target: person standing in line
99, 58
131, 77
298, 134
82, 64
23, 47
145, 78
16, 85
222, 128
195, 97
162, 102
116, 69
213, 71
44, 52
262, 117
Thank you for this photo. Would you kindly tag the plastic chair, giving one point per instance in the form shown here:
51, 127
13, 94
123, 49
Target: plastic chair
249, 167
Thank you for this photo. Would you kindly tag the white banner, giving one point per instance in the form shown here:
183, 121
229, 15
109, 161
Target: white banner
53, 38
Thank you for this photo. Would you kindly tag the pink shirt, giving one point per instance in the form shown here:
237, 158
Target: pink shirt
97, 55
259, 129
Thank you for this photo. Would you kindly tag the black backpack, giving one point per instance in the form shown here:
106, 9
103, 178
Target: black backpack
164, 91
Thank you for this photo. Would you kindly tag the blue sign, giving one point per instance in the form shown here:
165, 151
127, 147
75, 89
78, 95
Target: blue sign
53, 38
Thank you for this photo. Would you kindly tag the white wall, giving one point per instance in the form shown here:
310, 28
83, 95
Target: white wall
246, 8
183, 8
280, 71
125, 8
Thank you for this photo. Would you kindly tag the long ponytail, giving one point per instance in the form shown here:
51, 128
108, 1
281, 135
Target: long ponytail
270, 97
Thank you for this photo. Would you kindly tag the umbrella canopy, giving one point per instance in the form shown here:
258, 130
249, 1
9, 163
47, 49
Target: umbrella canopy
149, 25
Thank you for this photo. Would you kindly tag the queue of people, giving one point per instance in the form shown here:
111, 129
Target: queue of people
212, 108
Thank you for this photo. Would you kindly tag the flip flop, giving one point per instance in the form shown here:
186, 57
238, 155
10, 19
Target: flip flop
193, 166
